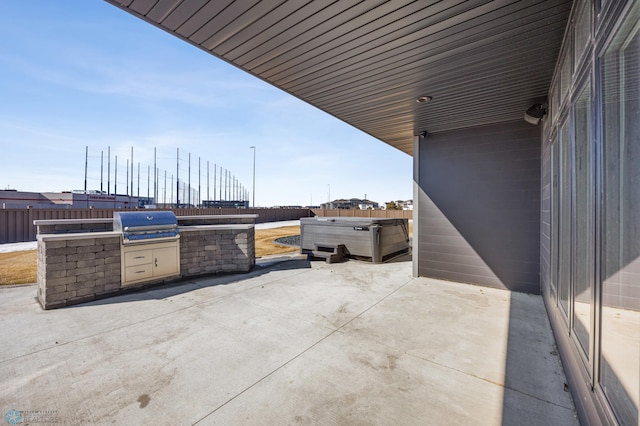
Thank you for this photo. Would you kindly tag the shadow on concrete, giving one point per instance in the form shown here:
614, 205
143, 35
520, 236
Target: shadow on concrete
174, 288
530, 350
479, 223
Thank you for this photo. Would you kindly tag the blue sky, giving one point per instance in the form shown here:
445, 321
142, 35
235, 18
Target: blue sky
83, 73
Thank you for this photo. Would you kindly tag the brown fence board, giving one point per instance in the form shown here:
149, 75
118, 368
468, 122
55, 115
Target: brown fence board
16, 225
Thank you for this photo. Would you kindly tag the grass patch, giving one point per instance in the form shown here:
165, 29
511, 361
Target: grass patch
18, 267
264, 240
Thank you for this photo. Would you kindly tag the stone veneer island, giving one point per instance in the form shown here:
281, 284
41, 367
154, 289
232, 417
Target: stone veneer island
80, 260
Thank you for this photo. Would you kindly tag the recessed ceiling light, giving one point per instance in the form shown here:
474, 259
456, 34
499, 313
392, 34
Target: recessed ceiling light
423, 99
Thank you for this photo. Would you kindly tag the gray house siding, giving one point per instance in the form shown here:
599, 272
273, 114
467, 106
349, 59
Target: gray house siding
479, 204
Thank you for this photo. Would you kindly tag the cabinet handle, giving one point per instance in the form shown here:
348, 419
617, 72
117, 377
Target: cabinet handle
139, 257
156, 262
140, 272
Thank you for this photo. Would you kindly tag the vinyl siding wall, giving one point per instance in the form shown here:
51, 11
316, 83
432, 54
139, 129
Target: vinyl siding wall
479, 204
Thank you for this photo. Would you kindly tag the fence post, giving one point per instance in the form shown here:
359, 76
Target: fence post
31, 227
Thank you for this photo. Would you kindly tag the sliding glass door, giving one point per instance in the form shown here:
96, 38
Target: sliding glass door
620, 261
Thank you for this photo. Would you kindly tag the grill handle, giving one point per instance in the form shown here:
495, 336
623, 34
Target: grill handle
149, 240
148, 228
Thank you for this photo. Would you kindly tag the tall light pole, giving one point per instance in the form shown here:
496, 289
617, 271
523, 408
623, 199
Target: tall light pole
254, 175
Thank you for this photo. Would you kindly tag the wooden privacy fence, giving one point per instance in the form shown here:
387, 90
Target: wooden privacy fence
16, 225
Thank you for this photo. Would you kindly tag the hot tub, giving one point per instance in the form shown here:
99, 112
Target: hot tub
374, 239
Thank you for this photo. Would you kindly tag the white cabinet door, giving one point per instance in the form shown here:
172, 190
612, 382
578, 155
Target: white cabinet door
149, 261
165, 261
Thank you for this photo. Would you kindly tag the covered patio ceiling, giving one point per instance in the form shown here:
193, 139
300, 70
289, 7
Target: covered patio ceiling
367, 62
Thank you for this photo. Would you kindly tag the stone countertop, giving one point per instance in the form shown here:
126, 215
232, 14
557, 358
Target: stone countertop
77, 236
218, 216
110, 220
221, 227
108, 234
70, 221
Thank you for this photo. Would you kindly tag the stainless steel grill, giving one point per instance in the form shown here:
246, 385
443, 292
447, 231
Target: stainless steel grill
146, 227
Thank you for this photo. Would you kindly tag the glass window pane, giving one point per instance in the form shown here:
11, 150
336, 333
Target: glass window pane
583, 249
553, 103
564, 249
582, 30
555, 218
620, 343
565, 75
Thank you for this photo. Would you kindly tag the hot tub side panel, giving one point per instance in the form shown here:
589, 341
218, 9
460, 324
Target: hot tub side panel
357, 242
377, 239
394, 239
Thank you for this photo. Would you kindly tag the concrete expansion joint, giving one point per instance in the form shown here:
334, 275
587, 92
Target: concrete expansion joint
331, 333
105, 332
502, 385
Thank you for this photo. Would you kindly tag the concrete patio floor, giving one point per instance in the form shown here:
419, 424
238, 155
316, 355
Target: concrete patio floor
289, 343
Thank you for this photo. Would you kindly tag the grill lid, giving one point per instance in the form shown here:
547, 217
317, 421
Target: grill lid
144, 221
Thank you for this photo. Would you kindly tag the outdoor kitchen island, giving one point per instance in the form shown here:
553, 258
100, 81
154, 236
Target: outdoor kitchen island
81, 260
